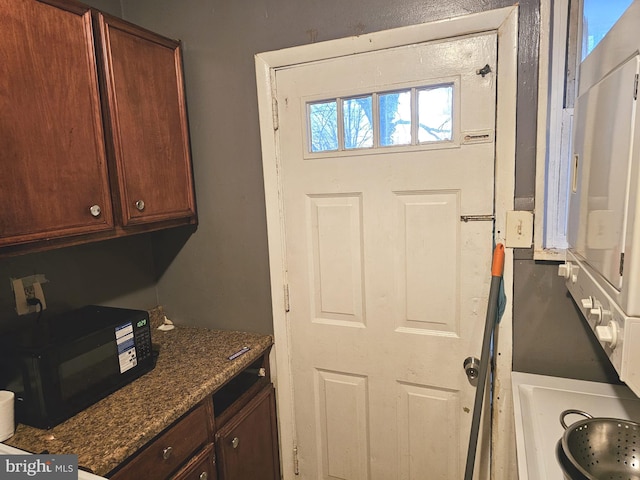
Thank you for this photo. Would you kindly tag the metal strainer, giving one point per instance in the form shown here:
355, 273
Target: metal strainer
602, 448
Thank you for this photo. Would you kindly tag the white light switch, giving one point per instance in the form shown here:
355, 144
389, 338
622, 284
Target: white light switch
519, 229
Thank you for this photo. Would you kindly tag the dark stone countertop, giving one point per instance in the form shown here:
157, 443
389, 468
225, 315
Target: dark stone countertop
192, 364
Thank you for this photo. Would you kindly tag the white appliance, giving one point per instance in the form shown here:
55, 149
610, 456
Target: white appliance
602, 268
538, 401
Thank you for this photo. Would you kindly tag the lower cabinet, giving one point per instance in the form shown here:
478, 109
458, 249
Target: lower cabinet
247, 445
179, 446
239, 442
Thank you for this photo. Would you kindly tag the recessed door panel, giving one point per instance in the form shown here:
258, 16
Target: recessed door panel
427, 260
335, 230
423, 410
342, 417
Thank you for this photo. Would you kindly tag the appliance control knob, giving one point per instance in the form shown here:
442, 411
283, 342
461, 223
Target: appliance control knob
574, 273
564, 270
587, 303
595, 315
608, 334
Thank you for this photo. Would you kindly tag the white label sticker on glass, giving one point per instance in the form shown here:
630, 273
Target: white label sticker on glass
126, 347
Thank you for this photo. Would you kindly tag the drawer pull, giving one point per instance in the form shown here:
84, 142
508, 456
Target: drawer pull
235, 442
166, 453
140, 205
203, 476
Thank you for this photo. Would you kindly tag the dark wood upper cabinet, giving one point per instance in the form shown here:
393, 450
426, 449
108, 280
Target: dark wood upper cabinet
54, 167
146, 123
94, 139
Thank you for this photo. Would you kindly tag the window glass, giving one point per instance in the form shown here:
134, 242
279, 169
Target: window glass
409, 117
395, 118
323, 125
358, 122
435, 115
598, 17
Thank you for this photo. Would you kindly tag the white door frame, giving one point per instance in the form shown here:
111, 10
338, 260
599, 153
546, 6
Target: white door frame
505, 22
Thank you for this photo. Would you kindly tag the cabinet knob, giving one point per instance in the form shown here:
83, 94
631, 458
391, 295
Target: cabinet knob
95, 210
203, 476
166, 453
140, 205
235, 442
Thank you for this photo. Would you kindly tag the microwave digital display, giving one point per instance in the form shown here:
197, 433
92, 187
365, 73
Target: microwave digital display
126, 347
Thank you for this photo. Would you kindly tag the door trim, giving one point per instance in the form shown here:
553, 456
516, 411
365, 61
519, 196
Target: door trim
505, 22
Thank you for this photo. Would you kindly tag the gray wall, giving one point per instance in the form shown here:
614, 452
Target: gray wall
117, 272
112, 7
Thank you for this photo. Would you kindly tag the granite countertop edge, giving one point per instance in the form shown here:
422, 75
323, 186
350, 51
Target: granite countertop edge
192, 364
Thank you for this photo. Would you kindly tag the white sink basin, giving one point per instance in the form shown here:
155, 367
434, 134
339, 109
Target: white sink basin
7, 450
538, 402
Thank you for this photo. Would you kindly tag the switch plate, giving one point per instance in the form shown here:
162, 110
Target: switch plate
519, 229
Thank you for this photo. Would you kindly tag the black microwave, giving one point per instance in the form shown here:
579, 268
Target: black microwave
59, 367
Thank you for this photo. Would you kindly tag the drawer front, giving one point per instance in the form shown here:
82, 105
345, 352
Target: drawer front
172, 449
201, 467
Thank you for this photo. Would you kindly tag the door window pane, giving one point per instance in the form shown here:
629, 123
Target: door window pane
323, 123
358, 122
395, 118
598, 18
401, 118
435, 106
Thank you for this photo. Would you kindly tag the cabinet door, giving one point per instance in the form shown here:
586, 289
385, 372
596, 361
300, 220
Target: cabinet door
51, 137
147, 123
247, 446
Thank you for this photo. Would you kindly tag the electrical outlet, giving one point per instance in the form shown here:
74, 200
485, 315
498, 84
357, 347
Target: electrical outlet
29, 292
28, 288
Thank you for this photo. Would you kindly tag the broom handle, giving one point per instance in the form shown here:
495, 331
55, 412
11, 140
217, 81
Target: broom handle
497, 268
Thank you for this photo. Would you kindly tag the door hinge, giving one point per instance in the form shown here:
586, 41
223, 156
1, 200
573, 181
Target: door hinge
274, 112
286, 298
635, 88
621, 263
296, 470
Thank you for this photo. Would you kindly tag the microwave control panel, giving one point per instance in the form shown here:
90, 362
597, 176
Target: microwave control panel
134, 343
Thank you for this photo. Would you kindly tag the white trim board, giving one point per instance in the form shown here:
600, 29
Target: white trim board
550, 121
505, 22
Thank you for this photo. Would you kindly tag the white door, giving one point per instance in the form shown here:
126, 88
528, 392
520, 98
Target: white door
387, 283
